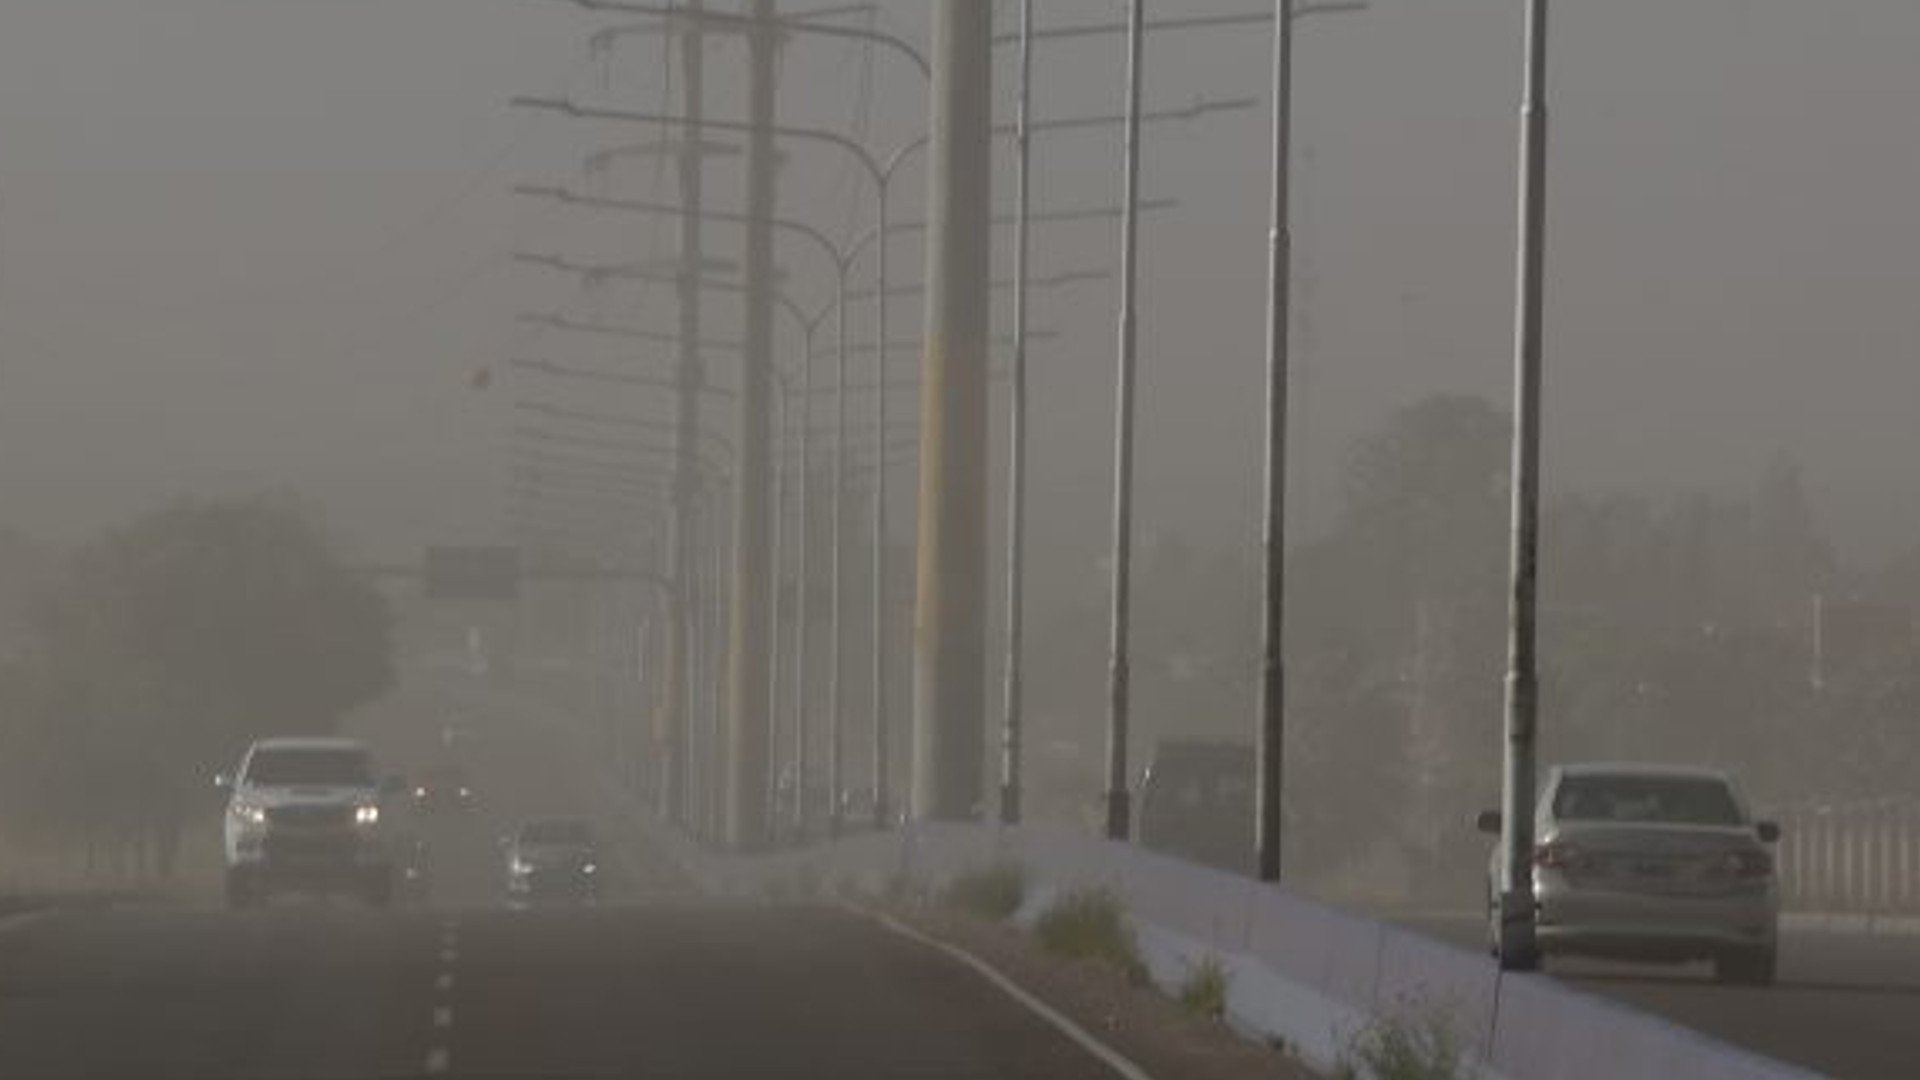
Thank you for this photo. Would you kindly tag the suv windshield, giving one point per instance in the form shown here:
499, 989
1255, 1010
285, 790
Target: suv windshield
1669, 800
287, 767
556, 832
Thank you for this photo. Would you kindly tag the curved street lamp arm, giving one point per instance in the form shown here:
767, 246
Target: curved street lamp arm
711, 19
569, 197
570, 107
584, 416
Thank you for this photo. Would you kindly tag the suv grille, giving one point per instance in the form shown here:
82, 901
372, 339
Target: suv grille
311, 817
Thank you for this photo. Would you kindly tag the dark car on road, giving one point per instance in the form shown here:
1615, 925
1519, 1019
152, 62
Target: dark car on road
552, 860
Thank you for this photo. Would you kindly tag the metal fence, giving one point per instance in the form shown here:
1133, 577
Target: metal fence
1857, 857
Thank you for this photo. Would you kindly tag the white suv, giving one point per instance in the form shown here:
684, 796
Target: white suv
305, 814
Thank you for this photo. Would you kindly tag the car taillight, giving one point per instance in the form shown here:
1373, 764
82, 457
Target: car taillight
1557, 857
1748, 864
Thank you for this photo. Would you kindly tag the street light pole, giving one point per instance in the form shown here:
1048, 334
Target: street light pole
777, 568
836, 563
1271, 737
1119, 808
882, 748
746, 705
1519, 951
1011, 736
803, 630
676, 736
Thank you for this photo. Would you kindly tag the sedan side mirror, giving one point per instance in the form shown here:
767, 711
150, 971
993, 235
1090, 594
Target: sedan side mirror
1769, 831
1488, 821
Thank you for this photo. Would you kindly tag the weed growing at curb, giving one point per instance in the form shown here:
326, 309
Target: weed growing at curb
1204, 994
1415, 1040
1092, 924
992, 892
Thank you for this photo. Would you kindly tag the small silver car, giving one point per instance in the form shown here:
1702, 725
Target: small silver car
1649, 863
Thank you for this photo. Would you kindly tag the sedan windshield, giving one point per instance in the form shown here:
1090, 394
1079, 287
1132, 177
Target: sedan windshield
1667, 800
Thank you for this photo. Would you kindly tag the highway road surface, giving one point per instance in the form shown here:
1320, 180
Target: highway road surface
309, 991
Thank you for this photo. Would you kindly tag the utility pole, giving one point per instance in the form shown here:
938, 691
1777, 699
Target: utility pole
677, 718
747, 705
1119, 798
1518, 949
950, 623
1011, 734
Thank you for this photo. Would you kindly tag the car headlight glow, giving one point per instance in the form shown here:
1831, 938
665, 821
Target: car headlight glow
250, 814
520, 867
589, 868
367, 815
419, 793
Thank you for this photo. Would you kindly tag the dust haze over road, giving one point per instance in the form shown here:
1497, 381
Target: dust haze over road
264, 338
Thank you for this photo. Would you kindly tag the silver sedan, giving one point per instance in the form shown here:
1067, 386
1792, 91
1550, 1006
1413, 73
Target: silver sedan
1650, 863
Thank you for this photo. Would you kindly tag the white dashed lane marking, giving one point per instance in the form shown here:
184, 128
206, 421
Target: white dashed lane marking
439, 1058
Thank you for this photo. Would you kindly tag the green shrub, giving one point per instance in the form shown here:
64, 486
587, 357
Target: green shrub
1416, 1040
993, 892
1204, 994
1092, 924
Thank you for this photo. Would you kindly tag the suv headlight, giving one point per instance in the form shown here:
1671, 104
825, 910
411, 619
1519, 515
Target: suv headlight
367, 815
250, 814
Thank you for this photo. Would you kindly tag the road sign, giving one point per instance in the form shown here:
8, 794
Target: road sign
472, 573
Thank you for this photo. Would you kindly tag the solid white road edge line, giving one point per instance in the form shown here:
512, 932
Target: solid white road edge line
443, 1017
1106, 1055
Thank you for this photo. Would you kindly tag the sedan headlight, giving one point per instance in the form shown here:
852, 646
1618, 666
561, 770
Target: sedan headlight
520, 868
250, 814
589, 868
367, 815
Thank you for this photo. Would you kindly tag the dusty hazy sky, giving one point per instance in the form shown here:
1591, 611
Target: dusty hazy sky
253, 243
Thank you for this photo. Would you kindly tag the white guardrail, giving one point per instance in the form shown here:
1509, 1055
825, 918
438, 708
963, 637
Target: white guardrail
1303, 973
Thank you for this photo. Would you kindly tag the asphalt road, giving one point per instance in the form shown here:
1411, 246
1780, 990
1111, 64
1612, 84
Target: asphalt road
311, 991
648, 984
1846, 1004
